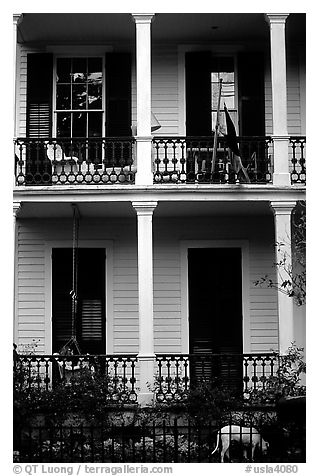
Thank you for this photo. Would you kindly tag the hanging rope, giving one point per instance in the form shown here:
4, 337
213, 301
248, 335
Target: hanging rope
72, 344
74, 290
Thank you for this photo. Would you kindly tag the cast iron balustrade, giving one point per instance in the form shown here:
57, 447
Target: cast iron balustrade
169, 440
46, 371
298, 159
241, 373
76, 161
189, 160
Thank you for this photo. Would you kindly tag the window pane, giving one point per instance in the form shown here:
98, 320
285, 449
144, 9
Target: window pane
63, 70
94, 69
79, 124
95, 124
79, 70
79, 96
63, 96
64, 124
95, 96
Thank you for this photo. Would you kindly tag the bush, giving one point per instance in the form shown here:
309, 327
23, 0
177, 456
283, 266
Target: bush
286, 382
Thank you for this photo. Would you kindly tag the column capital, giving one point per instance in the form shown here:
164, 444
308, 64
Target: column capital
16, 208
143, 17
282, 208
276, 17
144, 208
17, 18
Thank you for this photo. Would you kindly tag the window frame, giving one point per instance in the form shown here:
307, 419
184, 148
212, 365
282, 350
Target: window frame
234, 112
55, 111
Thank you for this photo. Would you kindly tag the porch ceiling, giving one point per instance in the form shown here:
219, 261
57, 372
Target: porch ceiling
101, 28
164, 209
98, 28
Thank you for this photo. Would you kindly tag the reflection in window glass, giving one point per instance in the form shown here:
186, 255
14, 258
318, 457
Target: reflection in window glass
64, 70
79, 96
223, 70
79, 88
63, 96
64, 124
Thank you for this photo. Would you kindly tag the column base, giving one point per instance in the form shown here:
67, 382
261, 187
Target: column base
281, 179
146, 399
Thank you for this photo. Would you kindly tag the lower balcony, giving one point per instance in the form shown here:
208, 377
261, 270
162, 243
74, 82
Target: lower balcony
174, 374
176, 160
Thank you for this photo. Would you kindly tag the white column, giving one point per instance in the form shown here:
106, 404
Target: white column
16, 210
146, 355
144, 175
282, 212
279, 97
17, 18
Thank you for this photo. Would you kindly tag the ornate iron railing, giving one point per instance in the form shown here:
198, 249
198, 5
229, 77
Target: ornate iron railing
76, 161
47, 371
298, 159
240, 373
190, 160
169, 440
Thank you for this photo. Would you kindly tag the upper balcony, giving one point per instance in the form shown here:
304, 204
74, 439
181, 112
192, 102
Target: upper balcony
83, 107
175, 160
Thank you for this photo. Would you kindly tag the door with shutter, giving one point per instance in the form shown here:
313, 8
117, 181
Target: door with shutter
89, 324
200, 95
215, 313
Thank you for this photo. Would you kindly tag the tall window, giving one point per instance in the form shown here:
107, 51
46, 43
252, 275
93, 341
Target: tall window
223, 68
79, 104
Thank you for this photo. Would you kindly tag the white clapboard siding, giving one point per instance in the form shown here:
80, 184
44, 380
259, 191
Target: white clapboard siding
165, 92
125, 297
293, 96
30, 286
168, 298
263, 301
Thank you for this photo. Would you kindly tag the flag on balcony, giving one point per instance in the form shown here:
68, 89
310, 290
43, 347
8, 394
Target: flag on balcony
232, 143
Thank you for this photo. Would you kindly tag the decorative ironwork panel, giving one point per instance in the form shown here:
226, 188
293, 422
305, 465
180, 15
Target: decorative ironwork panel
298, 159
76, 161
239, 373
195, 160
118, 373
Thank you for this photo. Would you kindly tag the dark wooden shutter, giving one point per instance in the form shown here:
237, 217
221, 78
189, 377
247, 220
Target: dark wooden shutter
215, 314
61, 299
198, 94
251, 93
90, 320
39, 94
118, 94
39, 116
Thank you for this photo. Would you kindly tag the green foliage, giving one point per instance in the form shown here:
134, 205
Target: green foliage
286, 382
205, 401
292, 268
86, 396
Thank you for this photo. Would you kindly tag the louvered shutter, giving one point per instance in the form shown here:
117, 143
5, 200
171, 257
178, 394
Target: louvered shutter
215, 314
198, 94
118, 94
61, 299
251, 93
39, 115
90, 319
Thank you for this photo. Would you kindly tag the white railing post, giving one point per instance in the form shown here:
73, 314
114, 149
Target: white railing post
146, 355
280, 136
144, 174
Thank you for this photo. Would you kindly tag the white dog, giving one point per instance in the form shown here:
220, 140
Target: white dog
246, 436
